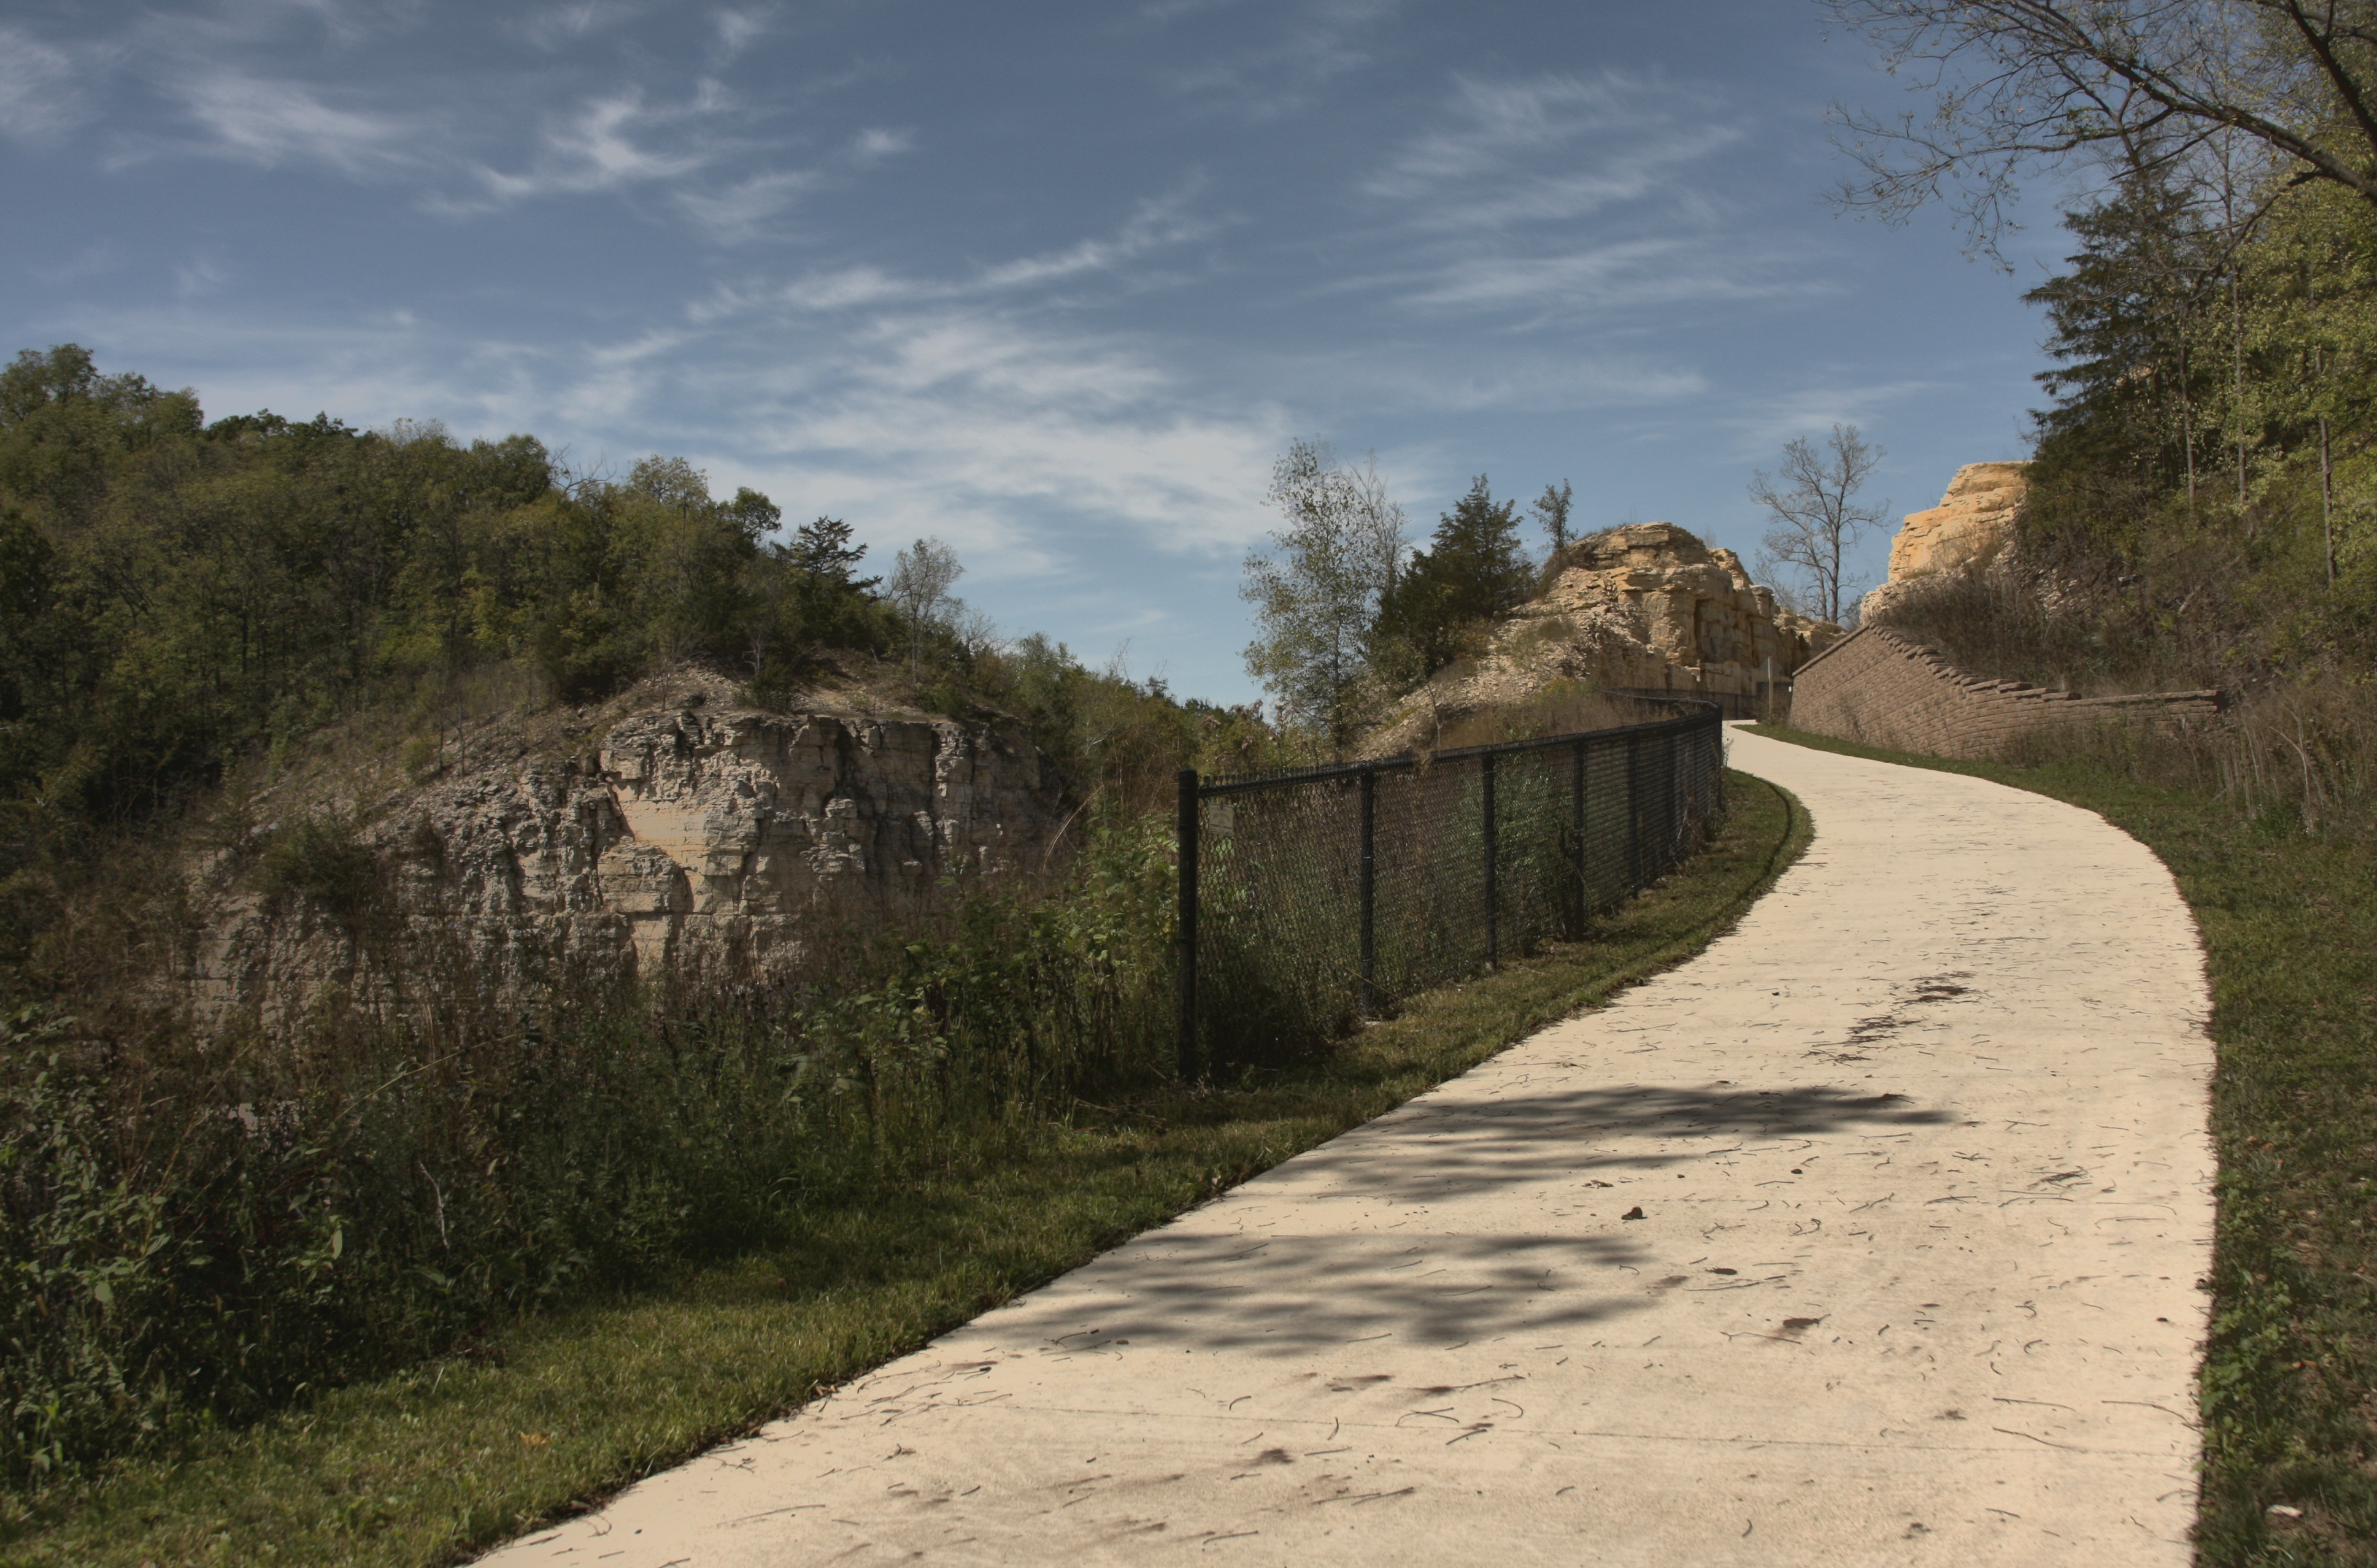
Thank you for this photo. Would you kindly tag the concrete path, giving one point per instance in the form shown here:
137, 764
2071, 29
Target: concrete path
1870, 1236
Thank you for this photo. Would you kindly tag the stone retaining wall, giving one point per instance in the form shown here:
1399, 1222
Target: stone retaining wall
1880, 688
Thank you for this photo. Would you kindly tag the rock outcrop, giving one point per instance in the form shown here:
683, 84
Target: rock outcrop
708, 843
1974, 524
1692, 606
1645, 607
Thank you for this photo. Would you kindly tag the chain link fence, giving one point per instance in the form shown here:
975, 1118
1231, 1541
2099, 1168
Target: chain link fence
1312, 900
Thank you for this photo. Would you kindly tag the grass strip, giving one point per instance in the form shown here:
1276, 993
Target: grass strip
2288, 1387
444, 1460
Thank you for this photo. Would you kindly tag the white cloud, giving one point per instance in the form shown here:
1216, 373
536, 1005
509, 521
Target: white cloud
1811, 411
1624, 275
999, 432
1155, 224
1509, 151
558, 26
595, 148
1583, 198
741, 210
1317, 42
1494, 122
849, 287
738, 30
257, 120
198, 276
38, 96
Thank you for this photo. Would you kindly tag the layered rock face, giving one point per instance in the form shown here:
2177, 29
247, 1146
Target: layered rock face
1693, 607
713, 846
1972, 525
1642, 606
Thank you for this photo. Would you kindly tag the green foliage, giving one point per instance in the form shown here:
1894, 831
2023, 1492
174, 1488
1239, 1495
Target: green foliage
320, 858
195, 1227
1317, 590
428, 1465
1474, 573
174, 594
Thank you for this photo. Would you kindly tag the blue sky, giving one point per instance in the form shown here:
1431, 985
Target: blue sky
1053, 282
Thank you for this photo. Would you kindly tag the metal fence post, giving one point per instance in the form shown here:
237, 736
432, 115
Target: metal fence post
1633, 812
1186, 936
1369, 892
1493, 946
1715, 763
1672, 757
1576, 817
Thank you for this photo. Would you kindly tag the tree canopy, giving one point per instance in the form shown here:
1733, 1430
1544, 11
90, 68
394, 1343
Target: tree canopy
1473, 572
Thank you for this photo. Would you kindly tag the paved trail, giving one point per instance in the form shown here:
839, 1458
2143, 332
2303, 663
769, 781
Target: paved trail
1924, 1186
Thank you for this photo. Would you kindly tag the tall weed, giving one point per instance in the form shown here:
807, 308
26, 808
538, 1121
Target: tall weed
196, 1227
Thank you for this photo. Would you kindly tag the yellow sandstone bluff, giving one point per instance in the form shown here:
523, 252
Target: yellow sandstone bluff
1972, 527
1645, 607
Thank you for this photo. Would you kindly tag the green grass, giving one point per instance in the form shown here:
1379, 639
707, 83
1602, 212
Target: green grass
444, 1460
2289, 1382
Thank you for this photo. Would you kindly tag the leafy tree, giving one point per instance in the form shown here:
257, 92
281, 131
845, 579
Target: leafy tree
1551, 510
1319, 588
921, 576
1474, 573
1815, 518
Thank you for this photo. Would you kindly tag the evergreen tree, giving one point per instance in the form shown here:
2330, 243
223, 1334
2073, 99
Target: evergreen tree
1473, 572
823, 550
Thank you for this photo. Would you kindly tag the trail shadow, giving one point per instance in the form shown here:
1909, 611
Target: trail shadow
1281, 1288
1298, 1295
1458, 1147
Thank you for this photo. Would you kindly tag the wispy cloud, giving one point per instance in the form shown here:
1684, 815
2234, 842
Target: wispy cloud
39, 99
1574, 197
557, 27
1312, 42
271, 122
1638, 141
1156, 223
742, 210
1761, 429
605, 143
287, 86
198, 276
1015, 434
1490, 123
738, 30
1625, 275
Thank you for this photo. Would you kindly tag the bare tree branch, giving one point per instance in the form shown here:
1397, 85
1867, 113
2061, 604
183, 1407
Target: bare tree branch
1816, 520
2018, 87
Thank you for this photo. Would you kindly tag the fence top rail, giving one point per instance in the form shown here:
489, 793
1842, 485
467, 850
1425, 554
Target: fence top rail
1239, 784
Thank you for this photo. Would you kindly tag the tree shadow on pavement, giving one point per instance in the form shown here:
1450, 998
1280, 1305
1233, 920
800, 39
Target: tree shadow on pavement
1300, 1273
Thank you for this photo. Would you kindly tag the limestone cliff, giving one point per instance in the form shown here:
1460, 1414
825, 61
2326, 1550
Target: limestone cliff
1973, 525
674, 835
1645, 607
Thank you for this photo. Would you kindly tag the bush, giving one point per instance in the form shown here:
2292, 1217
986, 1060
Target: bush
195, 1228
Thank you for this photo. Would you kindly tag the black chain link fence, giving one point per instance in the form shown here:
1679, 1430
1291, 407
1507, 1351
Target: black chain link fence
1313, 898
